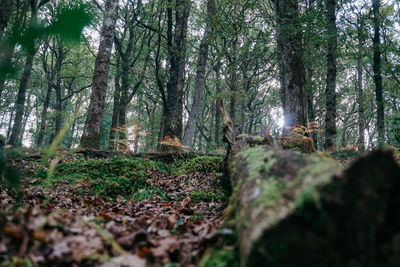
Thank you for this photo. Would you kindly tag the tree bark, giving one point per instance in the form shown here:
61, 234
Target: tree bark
92, 130
330, 91
114, 119
217, 114
20, 102
290, 209
200, 78
43, 120
291, 65
173, 108
6, 8
310, 104
60, 59
378, 74
360, 91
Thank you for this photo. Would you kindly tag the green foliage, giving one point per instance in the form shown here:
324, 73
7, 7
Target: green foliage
219, 257
344, 153
68, 24
16, 261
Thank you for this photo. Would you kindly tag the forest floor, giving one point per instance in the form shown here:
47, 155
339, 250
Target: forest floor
111, 212
118, 211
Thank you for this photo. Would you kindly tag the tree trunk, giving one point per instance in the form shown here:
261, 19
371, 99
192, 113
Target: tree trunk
6, 8
173, 108
360, 93
217, 114
378, 74
330, 92
310, 105
294, 210
43, 121
289, 209
115, 113
92, 130
57, 88
200, 78
291, 65
233, 80
20, 103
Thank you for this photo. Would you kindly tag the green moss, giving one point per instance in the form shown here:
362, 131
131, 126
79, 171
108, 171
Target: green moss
203, 196
108, 177
270, 192
203, 164
258, 160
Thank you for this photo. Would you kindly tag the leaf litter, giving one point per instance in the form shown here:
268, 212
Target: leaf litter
58, 226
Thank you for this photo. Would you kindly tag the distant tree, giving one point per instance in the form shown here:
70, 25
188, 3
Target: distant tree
330, 92
200, 76
377, 68
291, 65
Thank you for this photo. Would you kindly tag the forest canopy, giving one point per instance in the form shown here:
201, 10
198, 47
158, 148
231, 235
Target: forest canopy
138, 73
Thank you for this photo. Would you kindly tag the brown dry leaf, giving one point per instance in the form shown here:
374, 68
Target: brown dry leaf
12, 231
172, 219
185, 202
142, 251
127, 260
39, 235
165, 246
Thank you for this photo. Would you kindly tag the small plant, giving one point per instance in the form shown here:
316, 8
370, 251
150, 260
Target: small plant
130, 133
172, 143
300, 139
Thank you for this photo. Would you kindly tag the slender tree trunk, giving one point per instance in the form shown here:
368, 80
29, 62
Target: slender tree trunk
24, 122
330, 91
43, 121
310, 104
200, 78
291, 65
173, 109
92, 130
217, 114
60, 59
233, 80
115, 113
6, 8
9, 128
378, 74
20, 103
124, 100
360, 93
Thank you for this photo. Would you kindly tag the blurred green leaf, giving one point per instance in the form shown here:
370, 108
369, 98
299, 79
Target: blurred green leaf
70, 22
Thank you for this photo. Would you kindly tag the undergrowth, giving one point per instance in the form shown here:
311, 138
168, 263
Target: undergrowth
127, 177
